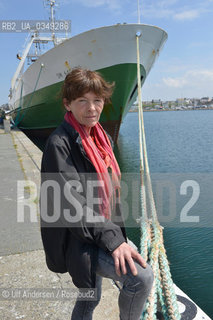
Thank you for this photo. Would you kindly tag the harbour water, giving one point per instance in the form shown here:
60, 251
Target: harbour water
180, 147
180, 144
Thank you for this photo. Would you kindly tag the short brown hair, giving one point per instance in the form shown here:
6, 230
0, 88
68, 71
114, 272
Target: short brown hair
80, 81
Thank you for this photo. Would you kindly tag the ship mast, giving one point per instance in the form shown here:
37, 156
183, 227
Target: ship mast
51, 4
35, 40
139, 14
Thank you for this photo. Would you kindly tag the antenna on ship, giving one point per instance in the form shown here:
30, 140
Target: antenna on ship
139, 14
51, 4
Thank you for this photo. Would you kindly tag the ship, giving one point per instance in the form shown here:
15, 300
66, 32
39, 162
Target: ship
35, 94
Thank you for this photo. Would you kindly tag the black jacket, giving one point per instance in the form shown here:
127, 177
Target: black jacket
72, 246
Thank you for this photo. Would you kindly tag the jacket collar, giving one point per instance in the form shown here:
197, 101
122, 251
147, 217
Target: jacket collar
70, 130
75, 137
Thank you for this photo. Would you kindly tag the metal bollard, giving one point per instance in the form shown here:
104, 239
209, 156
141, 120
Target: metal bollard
6, 126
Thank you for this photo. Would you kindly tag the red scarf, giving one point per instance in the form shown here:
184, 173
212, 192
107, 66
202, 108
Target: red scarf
98, 149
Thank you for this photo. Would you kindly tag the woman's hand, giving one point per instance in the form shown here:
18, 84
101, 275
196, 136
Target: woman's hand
125, 253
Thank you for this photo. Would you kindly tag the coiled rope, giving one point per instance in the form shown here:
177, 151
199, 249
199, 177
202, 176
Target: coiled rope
152, 245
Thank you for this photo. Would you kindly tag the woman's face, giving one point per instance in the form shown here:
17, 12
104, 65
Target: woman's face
86, 109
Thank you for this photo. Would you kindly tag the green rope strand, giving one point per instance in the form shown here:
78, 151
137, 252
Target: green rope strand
151, 245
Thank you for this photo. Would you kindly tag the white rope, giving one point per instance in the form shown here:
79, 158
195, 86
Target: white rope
152, 231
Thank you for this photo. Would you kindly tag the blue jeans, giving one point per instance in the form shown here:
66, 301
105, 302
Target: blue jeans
133, 295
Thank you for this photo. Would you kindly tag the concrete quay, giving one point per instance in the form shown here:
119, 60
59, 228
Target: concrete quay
22, 259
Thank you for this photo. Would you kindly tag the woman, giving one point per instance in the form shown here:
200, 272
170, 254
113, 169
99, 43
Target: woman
89, 244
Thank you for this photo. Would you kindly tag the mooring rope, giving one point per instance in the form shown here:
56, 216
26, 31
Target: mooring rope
152, 245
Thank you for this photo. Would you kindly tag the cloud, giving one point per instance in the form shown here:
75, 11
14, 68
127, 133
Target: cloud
111, 4
174, 82
192, 78
187, 15
172, 9
159, 10
192, 83
152, 8
201, 44
163, 3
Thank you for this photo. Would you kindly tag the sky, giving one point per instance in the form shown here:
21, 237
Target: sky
184, 67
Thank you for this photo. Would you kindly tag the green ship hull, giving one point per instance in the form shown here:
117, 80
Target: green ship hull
40, 112
35, 95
